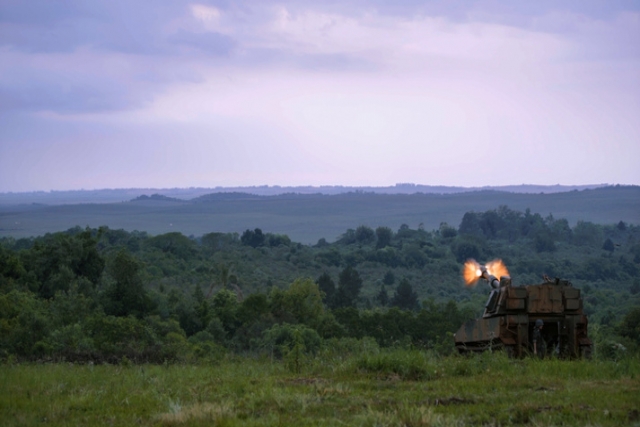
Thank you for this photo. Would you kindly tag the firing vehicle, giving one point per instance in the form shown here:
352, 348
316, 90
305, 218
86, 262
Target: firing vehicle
511, 312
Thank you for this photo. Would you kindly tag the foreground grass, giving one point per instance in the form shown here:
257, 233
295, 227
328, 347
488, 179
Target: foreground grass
395, 388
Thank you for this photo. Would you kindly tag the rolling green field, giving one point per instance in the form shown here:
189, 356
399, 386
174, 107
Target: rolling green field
386, 388
307, 218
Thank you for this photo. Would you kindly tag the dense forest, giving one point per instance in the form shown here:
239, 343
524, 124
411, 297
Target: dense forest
108, 295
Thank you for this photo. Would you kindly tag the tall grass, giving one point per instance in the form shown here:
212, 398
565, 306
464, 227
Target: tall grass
371, 387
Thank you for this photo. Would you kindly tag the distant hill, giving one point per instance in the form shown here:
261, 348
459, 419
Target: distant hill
127, 194
306, 218
155, 197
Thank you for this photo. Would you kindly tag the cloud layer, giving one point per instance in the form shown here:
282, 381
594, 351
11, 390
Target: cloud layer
166, 93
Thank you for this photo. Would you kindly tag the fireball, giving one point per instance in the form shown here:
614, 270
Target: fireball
497, 268
471, 272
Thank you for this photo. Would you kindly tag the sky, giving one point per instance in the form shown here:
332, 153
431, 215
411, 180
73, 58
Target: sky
169, 93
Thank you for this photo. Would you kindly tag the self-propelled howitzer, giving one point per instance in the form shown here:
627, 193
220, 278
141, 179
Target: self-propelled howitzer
511, 312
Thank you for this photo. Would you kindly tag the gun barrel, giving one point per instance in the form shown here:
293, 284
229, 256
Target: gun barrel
493, 281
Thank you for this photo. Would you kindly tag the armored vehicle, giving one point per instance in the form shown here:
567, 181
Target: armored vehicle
511, 312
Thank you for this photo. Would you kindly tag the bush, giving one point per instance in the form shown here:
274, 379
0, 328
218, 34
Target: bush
175, 347
72, 343
206, 346
283, 338
116, 337
23, 324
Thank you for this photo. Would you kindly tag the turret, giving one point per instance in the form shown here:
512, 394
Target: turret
511, 312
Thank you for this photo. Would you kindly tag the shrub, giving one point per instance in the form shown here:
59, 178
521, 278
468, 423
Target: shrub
23, 324
282, 338
71, 342
116, 337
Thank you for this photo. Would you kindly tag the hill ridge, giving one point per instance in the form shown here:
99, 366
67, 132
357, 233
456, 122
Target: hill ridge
111, 195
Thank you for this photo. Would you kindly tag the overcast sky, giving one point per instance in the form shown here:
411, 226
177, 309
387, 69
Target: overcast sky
167, 93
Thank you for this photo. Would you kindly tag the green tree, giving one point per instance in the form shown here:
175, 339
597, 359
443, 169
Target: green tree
543, 242
292, 340
174, 243
404, 232
57, 259
511, 224
223, 276
225, 307
387, 256
405, 297
253, 238
201, 306
586, 233
531, 224
465, 249
12, 272
413, 255
348, 238
126, 295
254, 317
253, 308
446, 231
70, 307
470, 225
365, 235
561, 230
330, 257
305, 301
24, 324
389, 278
382, 297
275, 240
219, 241
635, 287
608, 245
187, 312
630, 326
384, 236
300, 303
117, 337
437, 321
349, 286
327, 287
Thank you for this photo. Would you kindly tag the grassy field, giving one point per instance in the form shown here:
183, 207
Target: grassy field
307, 218
389, 388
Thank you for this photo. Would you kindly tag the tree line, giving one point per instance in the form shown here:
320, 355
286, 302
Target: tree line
104, 295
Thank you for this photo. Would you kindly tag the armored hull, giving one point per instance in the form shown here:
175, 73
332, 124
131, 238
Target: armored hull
511, 312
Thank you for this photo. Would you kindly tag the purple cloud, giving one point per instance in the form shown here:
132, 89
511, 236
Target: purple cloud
416, 91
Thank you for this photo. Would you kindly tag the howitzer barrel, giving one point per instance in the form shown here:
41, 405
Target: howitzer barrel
493, 281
